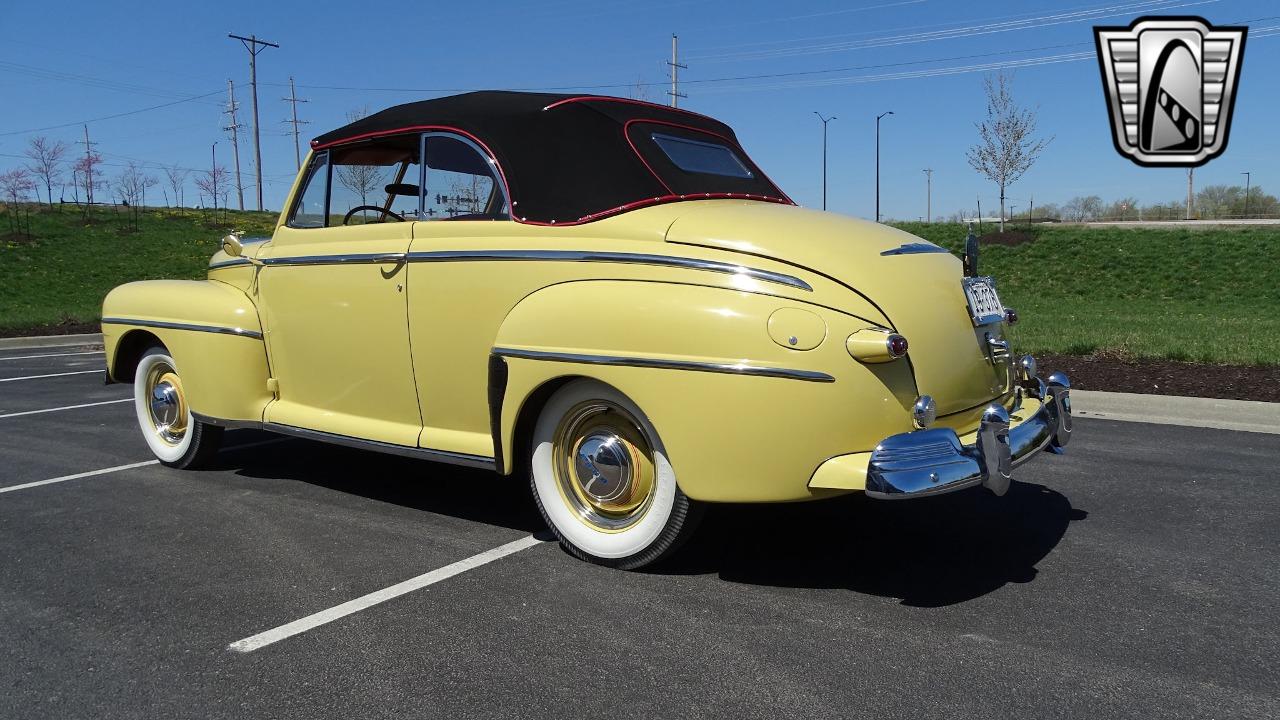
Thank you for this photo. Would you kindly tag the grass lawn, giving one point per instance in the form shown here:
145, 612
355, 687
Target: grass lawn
65, 272
1198, 294
1205, 295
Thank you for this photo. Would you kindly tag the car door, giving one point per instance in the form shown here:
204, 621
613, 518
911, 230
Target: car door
333, 298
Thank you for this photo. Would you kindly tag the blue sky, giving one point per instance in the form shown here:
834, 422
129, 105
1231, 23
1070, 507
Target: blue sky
850, 59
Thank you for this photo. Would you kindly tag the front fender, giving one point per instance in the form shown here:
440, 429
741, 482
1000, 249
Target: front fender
211, 330
743, 418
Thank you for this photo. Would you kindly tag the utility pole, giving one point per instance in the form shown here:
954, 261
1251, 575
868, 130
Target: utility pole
676, 67
294, 99
88, 168
824, 155
1248, 177
234, 127
1191, 174
881, 115
213, 175
255, 46
928, 195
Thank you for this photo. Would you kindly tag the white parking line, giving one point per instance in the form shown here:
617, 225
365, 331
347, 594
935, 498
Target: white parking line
37, 377
65, 407
130, 466
32, 357
336, 612
77, 476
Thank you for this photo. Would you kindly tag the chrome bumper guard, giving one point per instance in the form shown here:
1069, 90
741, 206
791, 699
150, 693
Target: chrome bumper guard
932, 462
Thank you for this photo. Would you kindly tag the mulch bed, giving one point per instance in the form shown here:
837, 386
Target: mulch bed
1008, 237
66, 327
1167, 377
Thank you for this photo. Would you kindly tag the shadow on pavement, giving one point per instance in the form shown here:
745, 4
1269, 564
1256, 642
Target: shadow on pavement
476, 495
927, 553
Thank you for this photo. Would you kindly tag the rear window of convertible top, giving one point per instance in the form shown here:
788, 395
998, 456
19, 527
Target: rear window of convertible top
697, 156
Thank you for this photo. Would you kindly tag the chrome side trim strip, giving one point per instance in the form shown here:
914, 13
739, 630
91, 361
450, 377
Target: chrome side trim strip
229, 263
352, 259
228, 424
453, 458
610, 257
696, 366
183, 326
915, 248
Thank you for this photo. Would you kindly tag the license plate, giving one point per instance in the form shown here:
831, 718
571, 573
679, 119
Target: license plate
984, 304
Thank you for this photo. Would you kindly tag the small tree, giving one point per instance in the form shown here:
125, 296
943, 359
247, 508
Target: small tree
89, 176
213, 182
46, 162
1006, 147
15, 185
177, 178
132, 187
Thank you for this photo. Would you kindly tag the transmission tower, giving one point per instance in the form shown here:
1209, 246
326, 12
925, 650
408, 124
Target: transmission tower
234, 129
293, 99
676, 67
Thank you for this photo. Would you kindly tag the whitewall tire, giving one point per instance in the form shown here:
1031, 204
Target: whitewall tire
175, 437
602, 479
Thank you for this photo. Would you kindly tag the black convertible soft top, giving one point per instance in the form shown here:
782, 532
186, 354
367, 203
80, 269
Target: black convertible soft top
570, 159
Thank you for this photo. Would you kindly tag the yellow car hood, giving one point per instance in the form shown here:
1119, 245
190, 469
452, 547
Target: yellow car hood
920, 293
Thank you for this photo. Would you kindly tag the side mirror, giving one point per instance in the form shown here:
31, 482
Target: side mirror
232, 246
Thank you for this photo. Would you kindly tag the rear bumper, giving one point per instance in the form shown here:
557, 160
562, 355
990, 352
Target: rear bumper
932, 462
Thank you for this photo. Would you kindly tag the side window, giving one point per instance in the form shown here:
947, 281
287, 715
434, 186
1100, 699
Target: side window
375, 181
462, 183
309, 210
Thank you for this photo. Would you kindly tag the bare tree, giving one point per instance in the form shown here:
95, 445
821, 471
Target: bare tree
132, 187
361, 180
177, 178
46, 162
89, 176
213, 182
1006, 148
15, 185
639, 90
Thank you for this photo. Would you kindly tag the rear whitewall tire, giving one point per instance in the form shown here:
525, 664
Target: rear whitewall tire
198, 441
665, 519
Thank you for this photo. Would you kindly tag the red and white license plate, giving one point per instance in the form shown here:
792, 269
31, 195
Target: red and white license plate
984, 304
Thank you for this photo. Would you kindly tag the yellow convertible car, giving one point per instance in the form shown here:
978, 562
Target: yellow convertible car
606, 294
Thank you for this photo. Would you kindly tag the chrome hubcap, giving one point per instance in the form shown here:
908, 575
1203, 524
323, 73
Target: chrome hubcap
603, 462
168, 408
603, 467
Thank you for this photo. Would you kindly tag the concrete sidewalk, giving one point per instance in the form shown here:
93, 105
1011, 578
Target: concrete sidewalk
1243, 415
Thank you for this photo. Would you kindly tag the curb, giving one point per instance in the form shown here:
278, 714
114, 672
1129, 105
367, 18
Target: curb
1241, 415
51, 341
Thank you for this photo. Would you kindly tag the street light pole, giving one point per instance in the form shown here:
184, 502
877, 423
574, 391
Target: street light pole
881, 115
928, 195
1247, 179
824, 155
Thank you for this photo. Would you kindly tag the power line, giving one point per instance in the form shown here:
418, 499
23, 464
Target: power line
110, 117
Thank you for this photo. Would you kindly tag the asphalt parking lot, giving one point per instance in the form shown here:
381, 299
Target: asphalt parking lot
1136, 576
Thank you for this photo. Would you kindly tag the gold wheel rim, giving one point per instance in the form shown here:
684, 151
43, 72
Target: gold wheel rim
604, 468
166, 403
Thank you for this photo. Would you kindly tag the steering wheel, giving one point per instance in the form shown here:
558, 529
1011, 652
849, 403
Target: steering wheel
376, 208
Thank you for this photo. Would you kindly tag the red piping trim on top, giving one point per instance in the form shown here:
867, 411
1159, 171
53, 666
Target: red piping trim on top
627, 126
673, 197
628, 101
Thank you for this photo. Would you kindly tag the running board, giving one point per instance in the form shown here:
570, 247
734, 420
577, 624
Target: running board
453, 458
